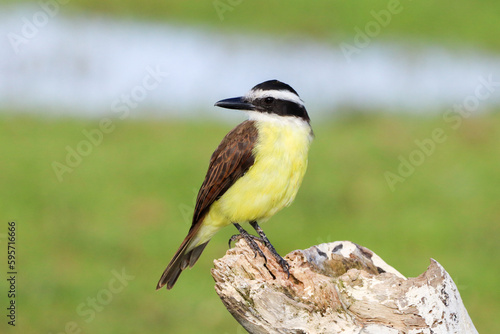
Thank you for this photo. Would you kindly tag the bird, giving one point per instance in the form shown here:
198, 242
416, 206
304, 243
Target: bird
255, 172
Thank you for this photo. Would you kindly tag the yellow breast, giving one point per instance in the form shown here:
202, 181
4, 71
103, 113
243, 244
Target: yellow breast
275, 177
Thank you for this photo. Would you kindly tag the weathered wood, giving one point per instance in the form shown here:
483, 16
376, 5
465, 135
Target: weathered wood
338, 287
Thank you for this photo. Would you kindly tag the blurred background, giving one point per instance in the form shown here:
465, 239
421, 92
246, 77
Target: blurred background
107, 125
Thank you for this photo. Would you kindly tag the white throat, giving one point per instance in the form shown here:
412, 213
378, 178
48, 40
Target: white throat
287, 121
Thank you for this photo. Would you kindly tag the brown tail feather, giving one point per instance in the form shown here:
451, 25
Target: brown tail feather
181, 260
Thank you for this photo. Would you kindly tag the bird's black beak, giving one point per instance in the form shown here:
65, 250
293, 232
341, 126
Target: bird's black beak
235, 103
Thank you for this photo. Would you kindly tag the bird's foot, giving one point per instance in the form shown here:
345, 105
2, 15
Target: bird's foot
251, 241
283, 263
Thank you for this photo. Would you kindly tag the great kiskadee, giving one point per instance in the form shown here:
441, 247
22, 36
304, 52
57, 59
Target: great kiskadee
255, 172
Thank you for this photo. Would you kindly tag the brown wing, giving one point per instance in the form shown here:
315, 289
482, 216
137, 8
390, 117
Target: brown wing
230, 161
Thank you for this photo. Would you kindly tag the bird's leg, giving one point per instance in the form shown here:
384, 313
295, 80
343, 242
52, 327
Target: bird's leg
250, 239
269, 246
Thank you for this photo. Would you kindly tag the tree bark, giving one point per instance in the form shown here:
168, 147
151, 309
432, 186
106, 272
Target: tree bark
337, 287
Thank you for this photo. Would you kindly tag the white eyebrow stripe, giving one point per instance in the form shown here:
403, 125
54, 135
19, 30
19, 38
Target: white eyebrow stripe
277, 94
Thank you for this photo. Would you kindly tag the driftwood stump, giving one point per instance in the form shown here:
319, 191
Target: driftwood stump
338, 287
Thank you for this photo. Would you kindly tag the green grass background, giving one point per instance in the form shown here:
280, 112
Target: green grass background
128, 204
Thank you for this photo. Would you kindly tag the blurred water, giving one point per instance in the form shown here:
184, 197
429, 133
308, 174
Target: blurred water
88, 65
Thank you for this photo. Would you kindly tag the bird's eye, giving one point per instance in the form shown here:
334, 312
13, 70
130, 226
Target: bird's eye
269, 100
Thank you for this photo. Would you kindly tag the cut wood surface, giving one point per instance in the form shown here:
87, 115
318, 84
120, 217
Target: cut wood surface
337, 287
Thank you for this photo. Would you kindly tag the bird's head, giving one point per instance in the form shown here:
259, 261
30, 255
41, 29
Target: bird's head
271, 97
